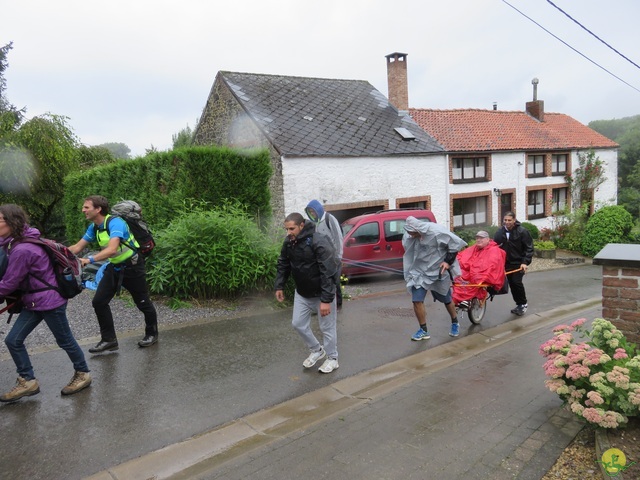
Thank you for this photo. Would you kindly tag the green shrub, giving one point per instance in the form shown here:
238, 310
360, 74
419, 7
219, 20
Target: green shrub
544, 245
610, 224
209, 254
568, 229
533, 230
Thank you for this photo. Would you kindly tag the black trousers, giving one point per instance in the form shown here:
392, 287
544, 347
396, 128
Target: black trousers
515, 284
133, 279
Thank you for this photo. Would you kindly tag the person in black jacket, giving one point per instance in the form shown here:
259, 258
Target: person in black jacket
516, 241
311, 259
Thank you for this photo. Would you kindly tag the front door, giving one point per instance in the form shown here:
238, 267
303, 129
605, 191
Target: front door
506, 205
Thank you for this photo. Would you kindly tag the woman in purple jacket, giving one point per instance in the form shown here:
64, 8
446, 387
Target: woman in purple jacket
27, 263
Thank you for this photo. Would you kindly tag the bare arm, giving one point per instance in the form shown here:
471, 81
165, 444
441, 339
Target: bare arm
109, 251
78, 247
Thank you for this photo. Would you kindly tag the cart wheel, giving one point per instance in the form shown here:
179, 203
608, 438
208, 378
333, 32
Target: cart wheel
476, 310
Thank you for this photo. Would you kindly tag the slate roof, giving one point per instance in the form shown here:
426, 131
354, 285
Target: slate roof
322, 117
494, 130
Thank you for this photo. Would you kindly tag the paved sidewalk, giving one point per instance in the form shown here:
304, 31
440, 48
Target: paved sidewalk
474, 408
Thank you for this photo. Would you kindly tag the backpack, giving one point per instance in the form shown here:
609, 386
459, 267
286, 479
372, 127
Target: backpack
131, 213
66, 266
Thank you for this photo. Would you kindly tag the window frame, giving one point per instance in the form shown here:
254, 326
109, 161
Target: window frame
465, 212
535, 215
534, 156
555, 201
554, 164
476, 166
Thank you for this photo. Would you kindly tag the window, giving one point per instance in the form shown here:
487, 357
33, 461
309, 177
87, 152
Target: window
469, 211
414, 205
469, 169
393, 230
559, 199
535, 207
559, 164
367, 233
535, 165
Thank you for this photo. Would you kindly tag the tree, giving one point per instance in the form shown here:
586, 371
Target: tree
118, 150
34, 160
184, 138
89, 157
626, 132
10, 116
586, 178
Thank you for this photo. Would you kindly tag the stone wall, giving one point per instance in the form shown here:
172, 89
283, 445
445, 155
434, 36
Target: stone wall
225, 123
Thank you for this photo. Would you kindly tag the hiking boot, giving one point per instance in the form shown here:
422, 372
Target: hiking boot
104, 346
79, 381
312, 359
148, 340
329, 365
455, 329
23, 388
420, 335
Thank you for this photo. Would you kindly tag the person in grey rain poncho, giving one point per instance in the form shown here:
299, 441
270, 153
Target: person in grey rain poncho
430, 252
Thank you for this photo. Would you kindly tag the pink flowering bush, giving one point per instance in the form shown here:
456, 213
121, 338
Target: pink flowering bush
598, 378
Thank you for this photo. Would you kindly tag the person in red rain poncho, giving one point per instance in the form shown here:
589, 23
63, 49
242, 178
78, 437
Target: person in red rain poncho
482, 263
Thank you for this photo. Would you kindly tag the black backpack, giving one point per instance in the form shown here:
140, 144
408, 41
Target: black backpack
131, 213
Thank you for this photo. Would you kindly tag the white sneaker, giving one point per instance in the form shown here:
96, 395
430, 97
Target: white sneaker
312, 359
329, 365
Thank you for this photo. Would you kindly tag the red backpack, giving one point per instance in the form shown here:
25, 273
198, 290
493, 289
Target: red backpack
66, 266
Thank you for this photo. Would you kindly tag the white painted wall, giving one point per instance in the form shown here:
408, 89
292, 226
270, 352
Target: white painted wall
347, 180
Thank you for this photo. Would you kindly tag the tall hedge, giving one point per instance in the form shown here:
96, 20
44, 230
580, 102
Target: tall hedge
162, 182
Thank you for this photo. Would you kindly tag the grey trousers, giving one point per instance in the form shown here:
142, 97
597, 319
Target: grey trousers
302, 310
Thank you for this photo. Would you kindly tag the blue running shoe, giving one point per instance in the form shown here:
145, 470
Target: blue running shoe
420, 335
455, 329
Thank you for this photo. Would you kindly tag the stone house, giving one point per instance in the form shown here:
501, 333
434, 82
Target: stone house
343, 143
338, 141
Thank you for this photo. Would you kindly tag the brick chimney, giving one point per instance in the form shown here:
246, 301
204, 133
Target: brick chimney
397, 81
536, 107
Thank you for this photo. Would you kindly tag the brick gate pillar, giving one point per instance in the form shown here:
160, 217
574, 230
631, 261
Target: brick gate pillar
621, 287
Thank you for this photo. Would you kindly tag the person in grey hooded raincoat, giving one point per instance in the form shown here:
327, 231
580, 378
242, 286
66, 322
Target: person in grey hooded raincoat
328, 225
430, 252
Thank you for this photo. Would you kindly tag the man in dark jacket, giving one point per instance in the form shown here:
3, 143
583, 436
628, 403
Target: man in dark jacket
516, 241
312, 261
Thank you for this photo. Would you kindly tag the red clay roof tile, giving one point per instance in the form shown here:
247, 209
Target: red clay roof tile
482, 130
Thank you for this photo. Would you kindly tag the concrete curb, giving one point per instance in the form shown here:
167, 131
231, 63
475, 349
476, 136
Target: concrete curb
212, 448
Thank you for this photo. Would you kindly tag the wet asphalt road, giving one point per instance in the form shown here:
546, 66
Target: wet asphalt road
202, 376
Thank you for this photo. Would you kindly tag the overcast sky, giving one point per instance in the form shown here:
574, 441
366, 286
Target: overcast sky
138, 71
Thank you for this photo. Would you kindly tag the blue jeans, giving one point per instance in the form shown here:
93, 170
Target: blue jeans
57, 322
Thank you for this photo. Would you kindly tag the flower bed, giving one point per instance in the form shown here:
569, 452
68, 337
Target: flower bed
598, 378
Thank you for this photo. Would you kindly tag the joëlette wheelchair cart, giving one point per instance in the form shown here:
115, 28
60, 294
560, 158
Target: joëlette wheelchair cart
476, 306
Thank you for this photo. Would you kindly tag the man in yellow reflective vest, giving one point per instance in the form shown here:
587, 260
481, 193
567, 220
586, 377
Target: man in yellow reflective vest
125, 269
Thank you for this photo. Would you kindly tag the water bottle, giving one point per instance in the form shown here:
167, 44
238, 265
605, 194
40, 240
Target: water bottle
68, 274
